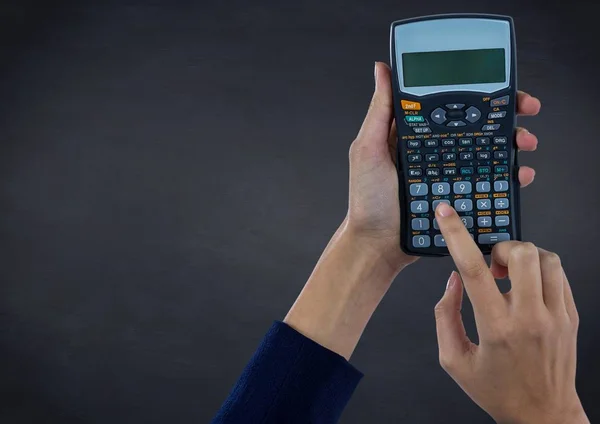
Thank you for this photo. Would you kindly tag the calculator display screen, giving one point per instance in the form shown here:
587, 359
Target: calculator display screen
454, 67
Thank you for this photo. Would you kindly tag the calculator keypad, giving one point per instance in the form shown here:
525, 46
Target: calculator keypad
460, 154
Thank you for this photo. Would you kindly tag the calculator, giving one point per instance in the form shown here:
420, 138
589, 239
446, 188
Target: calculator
454, 91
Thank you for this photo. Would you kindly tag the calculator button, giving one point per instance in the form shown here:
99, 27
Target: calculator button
500, 185
409, 105
483, 221
500, 169
483, 141
420, 224
414, 118
421, 241
492, 238
449, 171
435, 224
466, 156
438, 116
484, 169
500, 154
448, 142
465, 142
455, 106
463, 205
415, 158
414, 144
502, 221
422, 130
440, 189
488, 127
433, 172
484, 204
500, 140
455, 124
435, 204
432, 157
419, 206
496, 115
501, 203
483, 187
483, 155
462, 187
473, 114
466, 170
449, 157
439, 241
500, 101
467, 221
415, 172
419, 189
431, 143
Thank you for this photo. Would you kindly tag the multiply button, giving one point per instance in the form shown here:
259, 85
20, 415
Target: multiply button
500, 101
438, 116
484, 204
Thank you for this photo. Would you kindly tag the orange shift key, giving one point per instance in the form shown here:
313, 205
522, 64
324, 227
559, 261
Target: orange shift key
408, 105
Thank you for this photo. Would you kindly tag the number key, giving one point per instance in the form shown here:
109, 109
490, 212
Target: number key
421, 241
419, 206
419, 189
462, 187
420, 224
463, 205
440, 189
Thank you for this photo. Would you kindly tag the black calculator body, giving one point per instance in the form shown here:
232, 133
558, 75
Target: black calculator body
454, 89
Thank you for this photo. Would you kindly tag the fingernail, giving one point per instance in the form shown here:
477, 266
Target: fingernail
451, 281
444, 210
375, 74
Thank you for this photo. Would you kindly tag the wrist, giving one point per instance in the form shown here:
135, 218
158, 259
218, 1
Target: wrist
572, 415
343, 291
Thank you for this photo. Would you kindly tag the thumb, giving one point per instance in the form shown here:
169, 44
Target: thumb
376, 126
452, 337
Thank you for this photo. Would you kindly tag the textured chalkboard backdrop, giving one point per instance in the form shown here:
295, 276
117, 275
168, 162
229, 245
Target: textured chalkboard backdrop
170, 171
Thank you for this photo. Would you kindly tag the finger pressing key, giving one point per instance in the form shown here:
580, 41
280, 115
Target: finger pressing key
477, 277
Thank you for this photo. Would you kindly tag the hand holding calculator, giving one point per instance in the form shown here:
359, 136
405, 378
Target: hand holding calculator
455, 97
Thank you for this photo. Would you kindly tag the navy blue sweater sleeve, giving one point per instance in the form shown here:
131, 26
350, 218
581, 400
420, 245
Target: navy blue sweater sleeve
290, 379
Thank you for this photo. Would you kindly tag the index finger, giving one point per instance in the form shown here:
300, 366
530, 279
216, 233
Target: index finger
477, 277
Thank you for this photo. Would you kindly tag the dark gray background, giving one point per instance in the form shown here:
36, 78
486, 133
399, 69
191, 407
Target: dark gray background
170, 175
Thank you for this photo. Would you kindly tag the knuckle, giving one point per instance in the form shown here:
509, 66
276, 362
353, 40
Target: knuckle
524, 252
439, 310
447, 362
552, 260
473, 268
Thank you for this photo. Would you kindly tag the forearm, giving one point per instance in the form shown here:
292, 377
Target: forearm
342, 293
